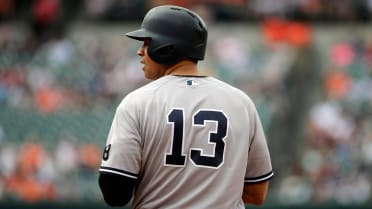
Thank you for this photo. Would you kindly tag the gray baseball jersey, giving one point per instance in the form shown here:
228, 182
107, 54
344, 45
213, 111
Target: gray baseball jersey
191, 142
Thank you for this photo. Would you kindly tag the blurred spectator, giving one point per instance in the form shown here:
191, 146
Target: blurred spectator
29, 182
6, 9
330, 123
8, 159
66, 165
231, 58
366, 145
337, 84
356, 190
89, 157
66, 156
270, 7
95, 9
2, 134
342, 54
276, 30
124, 9
223, 10
182, 3
45, 19
295, 190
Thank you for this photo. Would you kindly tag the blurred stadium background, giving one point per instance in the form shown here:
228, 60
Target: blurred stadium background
307, 64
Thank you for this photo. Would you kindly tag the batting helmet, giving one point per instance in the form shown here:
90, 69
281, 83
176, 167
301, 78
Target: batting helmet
176, 33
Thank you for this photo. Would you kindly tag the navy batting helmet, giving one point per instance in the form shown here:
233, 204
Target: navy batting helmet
176, 33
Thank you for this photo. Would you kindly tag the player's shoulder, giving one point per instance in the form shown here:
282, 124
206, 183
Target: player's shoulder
232, 90
150, 88
142, 94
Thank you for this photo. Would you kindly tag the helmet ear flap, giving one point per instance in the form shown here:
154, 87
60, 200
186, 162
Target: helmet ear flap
165, 54
166, 50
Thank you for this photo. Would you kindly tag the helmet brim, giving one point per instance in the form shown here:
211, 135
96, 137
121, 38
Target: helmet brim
139, 34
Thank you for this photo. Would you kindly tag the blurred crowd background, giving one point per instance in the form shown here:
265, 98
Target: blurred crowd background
307, 64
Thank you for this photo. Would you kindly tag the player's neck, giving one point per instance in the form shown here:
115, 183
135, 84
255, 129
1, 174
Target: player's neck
185, 67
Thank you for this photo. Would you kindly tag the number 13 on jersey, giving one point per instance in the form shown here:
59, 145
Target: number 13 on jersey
216, 137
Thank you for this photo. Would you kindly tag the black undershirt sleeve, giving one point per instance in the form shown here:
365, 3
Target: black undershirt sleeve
117, 190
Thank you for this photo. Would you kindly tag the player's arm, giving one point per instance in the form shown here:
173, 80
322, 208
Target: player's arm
118, 173
117, 190
255, 193
259, 168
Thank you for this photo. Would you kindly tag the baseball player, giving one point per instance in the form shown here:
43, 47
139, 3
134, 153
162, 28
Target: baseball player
183, 141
